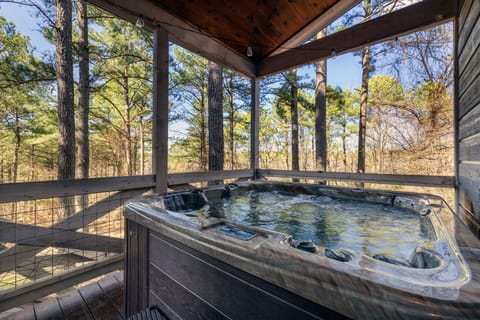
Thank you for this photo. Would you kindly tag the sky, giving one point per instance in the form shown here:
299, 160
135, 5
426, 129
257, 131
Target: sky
343, 70
26, 24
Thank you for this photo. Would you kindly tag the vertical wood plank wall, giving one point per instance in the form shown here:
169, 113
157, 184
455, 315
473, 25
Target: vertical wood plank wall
468, 113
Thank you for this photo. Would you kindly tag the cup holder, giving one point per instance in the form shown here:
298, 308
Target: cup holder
338, 254
423, 258
305, 245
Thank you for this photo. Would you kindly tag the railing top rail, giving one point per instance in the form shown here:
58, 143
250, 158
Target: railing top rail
11, 192
49, 189
401, 179
25, 191
189, 177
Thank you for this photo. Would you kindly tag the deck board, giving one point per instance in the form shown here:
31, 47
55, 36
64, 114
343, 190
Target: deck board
99, 303
73, 306
113, 289
118, 276
48, 309
101, 299
26, 312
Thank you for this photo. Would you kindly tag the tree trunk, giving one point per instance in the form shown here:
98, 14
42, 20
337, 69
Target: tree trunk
66, 119
83, 165
287, 152
321, 112
16, 149
83, 92
304, 145
294, 119
344, 149
231, 123
128, 123
203, 139
32, 163
314, 156
366, 60
135, 150
215, 117
366, 68
142, 147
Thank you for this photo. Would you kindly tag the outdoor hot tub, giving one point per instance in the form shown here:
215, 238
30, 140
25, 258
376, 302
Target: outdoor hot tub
268, 250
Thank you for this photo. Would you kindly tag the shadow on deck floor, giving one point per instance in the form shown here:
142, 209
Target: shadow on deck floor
100, 299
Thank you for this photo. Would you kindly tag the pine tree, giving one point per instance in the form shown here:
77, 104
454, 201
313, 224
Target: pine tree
215, 117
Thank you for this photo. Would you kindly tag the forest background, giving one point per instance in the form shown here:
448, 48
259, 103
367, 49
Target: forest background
402, 109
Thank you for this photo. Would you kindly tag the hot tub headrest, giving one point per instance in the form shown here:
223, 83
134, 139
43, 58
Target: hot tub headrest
424, 258
184, 201
421, 258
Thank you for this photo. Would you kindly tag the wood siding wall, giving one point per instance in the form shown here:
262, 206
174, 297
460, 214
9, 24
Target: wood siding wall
468, 113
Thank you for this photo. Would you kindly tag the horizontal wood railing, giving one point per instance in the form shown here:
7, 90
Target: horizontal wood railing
55, 237
49, 189
40, 289
411, 180
191, 177
87, 236
11, 192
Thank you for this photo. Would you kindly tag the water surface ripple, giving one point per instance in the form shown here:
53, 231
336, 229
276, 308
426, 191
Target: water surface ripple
365, 227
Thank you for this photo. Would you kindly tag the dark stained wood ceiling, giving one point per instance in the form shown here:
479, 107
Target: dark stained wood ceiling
221, 30
262, 24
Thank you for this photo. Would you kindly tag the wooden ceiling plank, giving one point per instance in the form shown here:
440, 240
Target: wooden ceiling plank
216, 20
264, 24
179, 32
311, 6
315, 26
412, 18
297, 11
237, 24
289, 18
254, 33
268, 26
324, 4
306, 13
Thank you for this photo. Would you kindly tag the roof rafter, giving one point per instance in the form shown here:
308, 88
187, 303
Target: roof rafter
318, 24
403, 21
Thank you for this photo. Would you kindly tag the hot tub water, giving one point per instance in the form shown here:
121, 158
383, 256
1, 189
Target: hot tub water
362, 226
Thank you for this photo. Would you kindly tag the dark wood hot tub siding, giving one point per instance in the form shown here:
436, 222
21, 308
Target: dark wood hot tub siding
187, 284
468, 113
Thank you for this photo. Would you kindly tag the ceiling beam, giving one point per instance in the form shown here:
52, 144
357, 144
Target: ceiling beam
403, 21
179, 32
325, 19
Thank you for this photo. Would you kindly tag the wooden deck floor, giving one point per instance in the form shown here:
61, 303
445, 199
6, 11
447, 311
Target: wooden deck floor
100, 299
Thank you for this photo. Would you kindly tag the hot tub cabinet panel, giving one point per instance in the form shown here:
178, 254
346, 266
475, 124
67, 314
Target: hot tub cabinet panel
213, 268
187, 284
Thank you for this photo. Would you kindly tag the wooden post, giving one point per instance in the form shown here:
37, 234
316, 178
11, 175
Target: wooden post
456, 118
255, 126
160, 109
